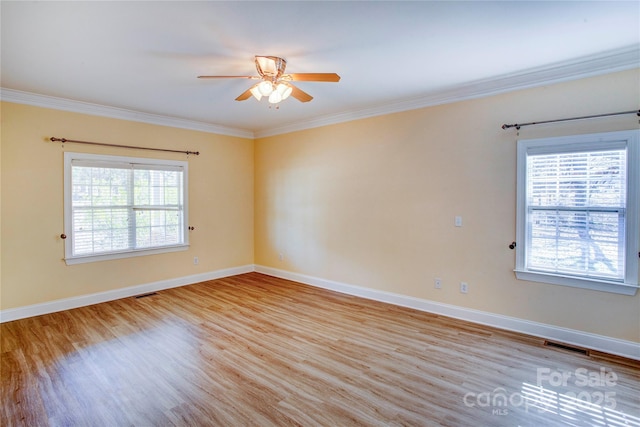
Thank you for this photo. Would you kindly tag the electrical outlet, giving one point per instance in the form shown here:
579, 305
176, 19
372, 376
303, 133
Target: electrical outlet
458, 221
464, 287
195, 260
437, 283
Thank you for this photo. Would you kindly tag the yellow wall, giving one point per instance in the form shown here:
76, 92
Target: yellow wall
220, 195
372, 202
369, 203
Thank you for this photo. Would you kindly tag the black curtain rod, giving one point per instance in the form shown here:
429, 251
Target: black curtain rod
519, 125
63, 140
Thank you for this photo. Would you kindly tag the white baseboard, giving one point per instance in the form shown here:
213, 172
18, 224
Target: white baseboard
602, 343
84, 300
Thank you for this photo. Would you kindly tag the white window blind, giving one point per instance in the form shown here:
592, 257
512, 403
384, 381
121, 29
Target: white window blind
122, 206
578, 213
576, 210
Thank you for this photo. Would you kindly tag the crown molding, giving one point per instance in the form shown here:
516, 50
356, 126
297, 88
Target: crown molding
28, 98
587, 66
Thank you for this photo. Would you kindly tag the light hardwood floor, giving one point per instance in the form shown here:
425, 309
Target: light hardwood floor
254, 350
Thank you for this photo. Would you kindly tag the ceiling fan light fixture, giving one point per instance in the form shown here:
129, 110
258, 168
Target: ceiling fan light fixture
265, 88
275, 97
255, 91
284, 90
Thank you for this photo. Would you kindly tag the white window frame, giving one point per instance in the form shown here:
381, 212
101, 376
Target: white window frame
599, 141
70, 258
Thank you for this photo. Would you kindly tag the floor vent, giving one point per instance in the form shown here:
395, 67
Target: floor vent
146, 295
567, 347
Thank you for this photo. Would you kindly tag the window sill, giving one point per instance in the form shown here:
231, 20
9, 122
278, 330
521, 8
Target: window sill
578, 282
121, 255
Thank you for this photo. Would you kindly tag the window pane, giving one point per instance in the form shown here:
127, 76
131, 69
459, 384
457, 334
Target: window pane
118, 206
100, 230
158, 228
576, 207
143, 237
577, 243
172, 195
83, 242
158, 188
101, 241
583, 179
141, 188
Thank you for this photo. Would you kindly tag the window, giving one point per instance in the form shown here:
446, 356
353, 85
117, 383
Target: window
578, 211
118, 207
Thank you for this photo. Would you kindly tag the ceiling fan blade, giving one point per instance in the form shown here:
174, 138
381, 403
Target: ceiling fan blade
312, 77
300, 95
245, 95
229, 77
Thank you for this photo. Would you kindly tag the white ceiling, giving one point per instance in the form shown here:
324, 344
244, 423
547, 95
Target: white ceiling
140, 59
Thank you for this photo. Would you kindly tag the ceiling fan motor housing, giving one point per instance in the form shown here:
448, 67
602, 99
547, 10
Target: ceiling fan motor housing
271, 67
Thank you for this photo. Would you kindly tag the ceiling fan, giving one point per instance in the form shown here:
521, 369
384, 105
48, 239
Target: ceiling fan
275, 84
